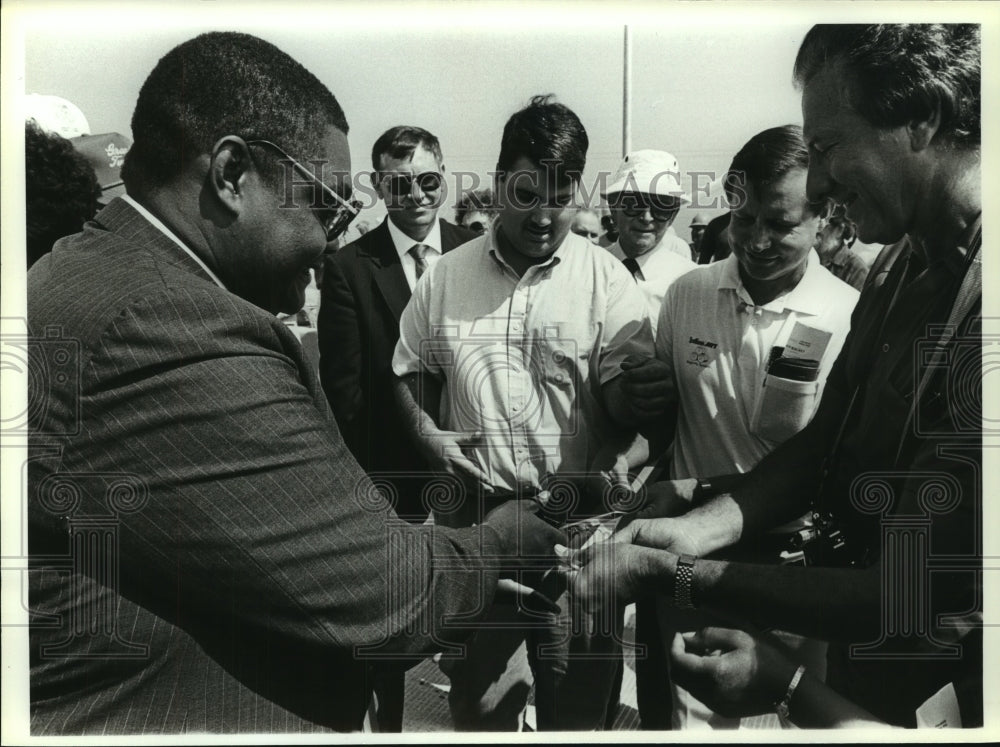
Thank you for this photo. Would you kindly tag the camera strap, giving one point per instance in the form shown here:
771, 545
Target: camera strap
969, 292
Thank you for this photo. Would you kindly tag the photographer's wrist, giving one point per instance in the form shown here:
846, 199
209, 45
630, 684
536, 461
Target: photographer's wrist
685, 488
648, 570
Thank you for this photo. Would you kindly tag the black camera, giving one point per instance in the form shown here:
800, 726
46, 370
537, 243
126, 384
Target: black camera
825, 543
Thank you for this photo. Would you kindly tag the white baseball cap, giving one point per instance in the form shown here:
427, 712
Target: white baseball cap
652, 172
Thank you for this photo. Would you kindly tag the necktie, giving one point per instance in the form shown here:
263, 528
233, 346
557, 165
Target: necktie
417, 251
632, 265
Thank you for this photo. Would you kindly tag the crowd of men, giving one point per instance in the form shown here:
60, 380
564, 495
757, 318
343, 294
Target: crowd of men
520, 422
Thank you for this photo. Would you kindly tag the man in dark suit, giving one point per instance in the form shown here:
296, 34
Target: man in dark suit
366, 286
206, 555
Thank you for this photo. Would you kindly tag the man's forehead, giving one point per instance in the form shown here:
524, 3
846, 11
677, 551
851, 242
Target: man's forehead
337, 148
785, 195
336, 160
551, 177
824, 96
420, 155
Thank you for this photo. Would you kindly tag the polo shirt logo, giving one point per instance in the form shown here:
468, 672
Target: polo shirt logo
703, 343
702, 352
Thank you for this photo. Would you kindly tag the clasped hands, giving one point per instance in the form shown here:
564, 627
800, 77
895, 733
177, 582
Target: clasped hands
610, 569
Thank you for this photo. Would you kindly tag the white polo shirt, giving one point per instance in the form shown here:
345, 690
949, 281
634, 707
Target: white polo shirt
718, 345
522, 360
658, 269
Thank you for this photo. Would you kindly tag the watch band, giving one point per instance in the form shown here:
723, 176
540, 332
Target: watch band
782, 706
683, 582
703, 489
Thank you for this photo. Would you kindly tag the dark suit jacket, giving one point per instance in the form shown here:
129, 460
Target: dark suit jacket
242, 554
364, 294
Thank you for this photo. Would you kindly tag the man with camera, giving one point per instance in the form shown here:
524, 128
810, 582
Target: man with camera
510, 358
892, 461
745, 345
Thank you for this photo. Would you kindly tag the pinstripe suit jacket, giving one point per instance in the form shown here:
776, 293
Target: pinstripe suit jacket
206, 554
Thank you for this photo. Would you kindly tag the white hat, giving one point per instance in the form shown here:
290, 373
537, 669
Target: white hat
652, 172
56, 114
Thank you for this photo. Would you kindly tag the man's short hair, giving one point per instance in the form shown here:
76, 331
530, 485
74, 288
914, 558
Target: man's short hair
765, 159
225, 83
900, 73
61, 189
401, 141
545, 132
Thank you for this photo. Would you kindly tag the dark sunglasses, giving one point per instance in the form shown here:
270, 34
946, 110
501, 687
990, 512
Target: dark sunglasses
661, 209
401, 185
336, 218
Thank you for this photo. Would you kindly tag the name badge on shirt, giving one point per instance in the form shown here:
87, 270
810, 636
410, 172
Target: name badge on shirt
940, 711
807, 342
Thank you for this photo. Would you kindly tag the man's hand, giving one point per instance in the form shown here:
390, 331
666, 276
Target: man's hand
610, 574
443, 451
526, 542
730, 671
608, 488
648, 386
660, 534
664, 499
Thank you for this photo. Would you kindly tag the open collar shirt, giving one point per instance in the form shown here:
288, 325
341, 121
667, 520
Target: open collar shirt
522, 359
718, 344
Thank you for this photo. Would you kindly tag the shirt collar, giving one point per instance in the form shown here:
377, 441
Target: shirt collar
159, 225
493, 248
404, 243
619, 253
807, 297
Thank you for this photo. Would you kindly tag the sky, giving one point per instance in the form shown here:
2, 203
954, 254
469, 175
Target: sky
699, 90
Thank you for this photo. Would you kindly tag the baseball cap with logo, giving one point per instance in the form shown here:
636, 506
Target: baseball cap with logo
105, 153
652, 172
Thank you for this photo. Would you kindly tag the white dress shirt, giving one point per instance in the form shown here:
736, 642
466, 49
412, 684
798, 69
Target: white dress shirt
522, 359
658, 269
404, 243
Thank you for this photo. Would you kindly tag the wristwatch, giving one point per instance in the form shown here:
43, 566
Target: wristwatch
683, 582
781, 707
703, 490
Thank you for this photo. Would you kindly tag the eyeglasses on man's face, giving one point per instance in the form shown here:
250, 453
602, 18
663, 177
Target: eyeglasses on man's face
660, 208
334, 218
402, 185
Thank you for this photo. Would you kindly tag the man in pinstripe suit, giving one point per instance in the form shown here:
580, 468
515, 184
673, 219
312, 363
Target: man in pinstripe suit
206, 555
